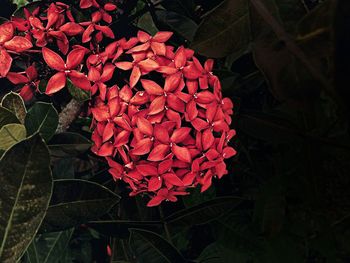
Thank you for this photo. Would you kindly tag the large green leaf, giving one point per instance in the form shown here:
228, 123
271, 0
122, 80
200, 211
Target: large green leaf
75, 202
42, 118
26, 187
224, 30
204, 212
150, 247
68, 144
179, 23
120, 228
48, 247
14, 103
7, 117
11, 134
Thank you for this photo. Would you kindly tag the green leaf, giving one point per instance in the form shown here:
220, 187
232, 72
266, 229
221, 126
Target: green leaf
20, 3
75, 202
63, 169
196, 197
49, 247
7, 117
11, 134
68, 144
224, 30
204, 212
182, 25
14, 103
120, 228
218, 253
146, 23
150, 247
42, 118
26, 181
185, 7
77, 93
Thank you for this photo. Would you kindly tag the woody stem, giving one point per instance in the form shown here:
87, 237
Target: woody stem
68, 115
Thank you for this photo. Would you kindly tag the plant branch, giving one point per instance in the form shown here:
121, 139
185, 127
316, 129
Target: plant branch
68, 115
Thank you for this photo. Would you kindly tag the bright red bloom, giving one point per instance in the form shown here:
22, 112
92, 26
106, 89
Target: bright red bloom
9, 42
65, 69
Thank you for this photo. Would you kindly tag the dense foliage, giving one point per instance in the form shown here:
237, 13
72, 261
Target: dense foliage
285, 196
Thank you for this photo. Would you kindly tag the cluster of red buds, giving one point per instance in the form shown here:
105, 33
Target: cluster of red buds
159, 117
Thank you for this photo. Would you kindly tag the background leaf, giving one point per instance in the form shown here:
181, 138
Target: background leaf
42, 118
7, 117
11, 134
68, 144
151, 247
49, 247
14, 103
75, 202
27, 185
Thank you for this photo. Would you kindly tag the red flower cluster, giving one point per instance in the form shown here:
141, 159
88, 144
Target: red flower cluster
163, 136
161, 121
48, 27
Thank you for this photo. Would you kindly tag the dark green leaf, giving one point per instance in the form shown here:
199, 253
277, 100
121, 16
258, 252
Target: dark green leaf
120, 228
150, 247
14, 103
11, 134
42, 118
49, 247
204, 212
68, 144
146, 23
182, 25
224, 30
77, 93
63, 169
75, 202
7, 117
26, 181
185, 7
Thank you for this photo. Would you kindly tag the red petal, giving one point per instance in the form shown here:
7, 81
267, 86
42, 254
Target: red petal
147, 169
157, 200
151, 87
205, 97
207, 139
172, 82
145, 126
124, 65
158, 48
199, 124
228, 152
142, 147
143, 36
175, 103
135, 76
108, 131
172, 179
182, 153
188, 178
75, 57
161, 134
180, 57
6, 32
53, 59
158, 153
154, 184
16, 78
148, 65
79, 80
122, 138
180, 134
157, 105
108, 72
109, 7
162, 36
191, 110
165, 166
72, 29
106, 149
18, 44
56, 83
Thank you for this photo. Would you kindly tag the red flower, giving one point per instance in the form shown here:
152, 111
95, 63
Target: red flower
65, 69
9, 42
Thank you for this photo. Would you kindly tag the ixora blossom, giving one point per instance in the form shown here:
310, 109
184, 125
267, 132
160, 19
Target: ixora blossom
165, 127
158, 115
